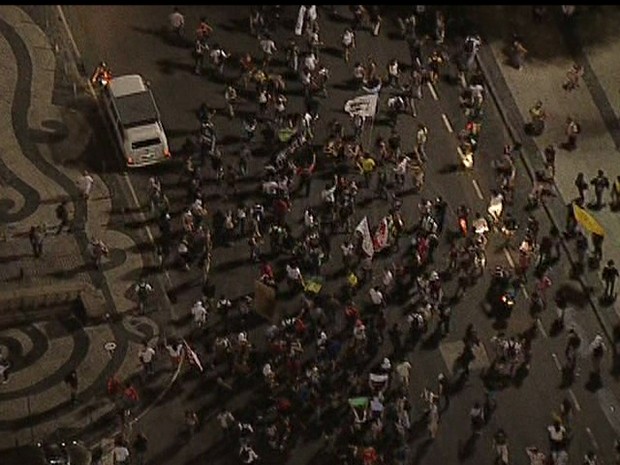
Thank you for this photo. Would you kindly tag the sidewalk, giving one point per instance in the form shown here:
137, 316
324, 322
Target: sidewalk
42, 147
541, 79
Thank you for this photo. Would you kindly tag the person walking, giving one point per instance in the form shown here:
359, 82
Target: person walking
581, 183
268, 46
140, 447
537, 119
230, 95
500, 445
348, 43
600, 183
443, 390
597, 350
120, 453
476, 419
36, 240
609, 275
433, 418
572, 130
62, 213
176, 23
143, 290
146, 355
85, 184
421, 138
200, 49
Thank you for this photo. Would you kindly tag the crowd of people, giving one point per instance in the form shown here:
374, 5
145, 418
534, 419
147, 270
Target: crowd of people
321, 370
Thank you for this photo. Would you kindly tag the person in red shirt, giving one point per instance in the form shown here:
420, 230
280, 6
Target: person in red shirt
281, 207
130, 394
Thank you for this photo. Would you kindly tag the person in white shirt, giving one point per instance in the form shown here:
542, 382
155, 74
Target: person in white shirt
496, 206
146, 355
311, 61
120, 454
393, 72
247, 454
376, 297
85, 184
199, 312
348, 43
387, 280
176, 21
294, 276
218, 58
328, 194
268, 46
403, 369
226, 421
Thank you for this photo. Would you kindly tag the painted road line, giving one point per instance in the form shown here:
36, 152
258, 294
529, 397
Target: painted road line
433, 91
594, 443
573, 398
556, 361
477, 188
541, 328
446, 122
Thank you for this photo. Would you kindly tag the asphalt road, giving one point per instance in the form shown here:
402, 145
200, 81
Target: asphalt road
128, 38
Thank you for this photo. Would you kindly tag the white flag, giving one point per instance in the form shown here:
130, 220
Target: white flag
192, 356
364, 230
300, 20
364, 106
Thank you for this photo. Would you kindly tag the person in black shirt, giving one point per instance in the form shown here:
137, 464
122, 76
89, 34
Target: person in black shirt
609, 274
140, 445
600, 183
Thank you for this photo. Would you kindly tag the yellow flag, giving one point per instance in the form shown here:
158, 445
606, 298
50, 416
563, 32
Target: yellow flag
587, 221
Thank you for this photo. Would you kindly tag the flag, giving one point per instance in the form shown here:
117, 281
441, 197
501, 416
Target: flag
381, 235
299, 25
313, 285
358, 401
364, 106
364, 230
587, 221
192, 356
265, 301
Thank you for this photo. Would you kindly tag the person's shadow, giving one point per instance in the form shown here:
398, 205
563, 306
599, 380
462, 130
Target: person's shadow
467, 449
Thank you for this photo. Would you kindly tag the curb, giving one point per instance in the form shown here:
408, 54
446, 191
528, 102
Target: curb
514, 135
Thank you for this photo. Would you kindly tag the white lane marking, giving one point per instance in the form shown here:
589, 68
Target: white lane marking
573, 398
509, 258
541, 328
556, 361
594, 443
431, 87
477, 188
446, 122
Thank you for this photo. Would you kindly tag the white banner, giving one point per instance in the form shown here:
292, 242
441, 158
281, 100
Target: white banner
364, 230
300, 20
364, 106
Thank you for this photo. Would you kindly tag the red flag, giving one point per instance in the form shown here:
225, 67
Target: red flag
364, 230
381, 235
